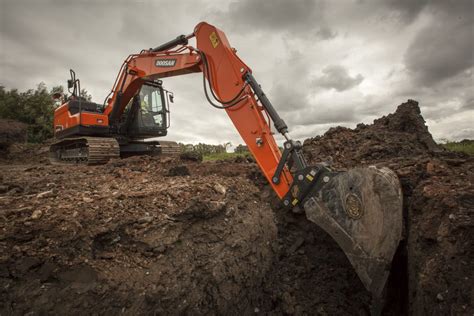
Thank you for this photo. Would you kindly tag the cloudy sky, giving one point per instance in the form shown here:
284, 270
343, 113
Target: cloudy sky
322, 63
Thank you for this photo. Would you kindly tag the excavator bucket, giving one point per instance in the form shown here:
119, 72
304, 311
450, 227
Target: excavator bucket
362, 210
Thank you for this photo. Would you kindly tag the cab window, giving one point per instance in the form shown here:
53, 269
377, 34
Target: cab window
152, 104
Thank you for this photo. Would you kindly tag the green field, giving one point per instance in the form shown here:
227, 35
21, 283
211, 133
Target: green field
466, 146
223, 156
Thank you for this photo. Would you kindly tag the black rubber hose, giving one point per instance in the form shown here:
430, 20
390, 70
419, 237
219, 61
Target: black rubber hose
226, 104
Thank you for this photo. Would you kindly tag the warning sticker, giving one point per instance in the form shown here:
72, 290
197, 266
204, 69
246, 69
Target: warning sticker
214, 39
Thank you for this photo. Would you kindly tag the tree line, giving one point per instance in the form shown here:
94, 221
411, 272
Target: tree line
207, 149
34, 107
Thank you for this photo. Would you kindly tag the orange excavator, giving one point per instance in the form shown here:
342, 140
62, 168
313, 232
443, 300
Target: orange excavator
360, 208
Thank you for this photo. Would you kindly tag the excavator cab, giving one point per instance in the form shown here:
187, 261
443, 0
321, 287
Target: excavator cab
147, 114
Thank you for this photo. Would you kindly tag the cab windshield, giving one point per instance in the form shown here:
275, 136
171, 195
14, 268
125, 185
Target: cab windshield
151, 106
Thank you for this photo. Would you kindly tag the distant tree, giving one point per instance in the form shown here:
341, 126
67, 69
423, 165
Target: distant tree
203, 149
33, 107
85, 95
9, 104
241, 149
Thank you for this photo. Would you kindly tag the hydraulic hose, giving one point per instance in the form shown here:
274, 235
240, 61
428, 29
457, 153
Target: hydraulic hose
226, 104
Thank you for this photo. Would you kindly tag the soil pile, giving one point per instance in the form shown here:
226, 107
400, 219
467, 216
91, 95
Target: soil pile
157, 236
11, 132
26, 153
13, 146
132, 237
437, 253
402, 134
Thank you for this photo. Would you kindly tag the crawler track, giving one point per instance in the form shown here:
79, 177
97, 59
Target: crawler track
169, 148
84, 150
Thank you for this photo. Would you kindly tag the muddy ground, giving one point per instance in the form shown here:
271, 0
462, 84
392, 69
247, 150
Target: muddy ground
159, 236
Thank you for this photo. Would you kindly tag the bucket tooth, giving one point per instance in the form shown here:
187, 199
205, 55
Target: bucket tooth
362, 210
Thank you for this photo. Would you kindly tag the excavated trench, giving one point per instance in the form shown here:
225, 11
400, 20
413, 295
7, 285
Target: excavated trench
431, 273
136, 236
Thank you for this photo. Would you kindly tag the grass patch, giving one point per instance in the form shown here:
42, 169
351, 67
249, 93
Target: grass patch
223, 156
466, 146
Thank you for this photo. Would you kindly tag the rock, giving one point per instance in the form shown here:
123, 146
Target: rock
145, 219
87, 199
297, 210
216, 206
430, 167
45, 194
191, 156
298, 243
3, 188
178, 171
159, 249
36, 214
440, 297
219, 188
42, 150
240, 159
166, 159
14, 191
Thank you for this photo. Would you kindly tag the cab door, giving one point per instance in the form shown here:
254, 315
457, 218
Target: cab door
146, 114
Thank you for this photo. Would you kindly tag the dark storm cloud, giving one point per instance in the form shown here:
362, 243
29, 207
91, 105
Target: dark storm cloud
292, 91
42, 40
406, 10
468, 104
299, 18
290, 86
378, 13
337, 77
323, 114
279, 39
443, 48
92, 37
298, 109
288, 98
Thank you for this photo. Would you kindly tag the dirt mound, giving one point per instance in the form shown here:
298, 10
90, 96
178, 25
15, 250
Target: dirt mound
149, 236
401, 134
431, 274
13, 146
11, 132
26, 153
128, 237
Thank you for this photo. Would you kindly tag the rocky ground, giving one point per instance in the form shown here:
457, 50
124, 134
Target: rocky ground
159, 236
